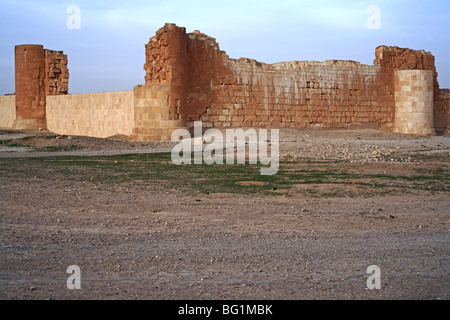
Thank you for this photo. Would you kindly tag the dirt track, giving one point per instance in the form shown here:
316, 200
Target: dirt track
157, 240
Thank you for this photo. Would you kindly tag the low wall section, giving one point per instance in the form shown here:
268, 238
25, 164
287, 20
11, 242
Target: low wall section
98, 115
7, 111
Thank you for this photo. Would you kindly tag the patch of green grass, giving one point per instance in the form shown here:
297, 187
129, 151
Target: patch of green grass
9, 144
157, 171
47, 148
420, 155
12, 145
58, 148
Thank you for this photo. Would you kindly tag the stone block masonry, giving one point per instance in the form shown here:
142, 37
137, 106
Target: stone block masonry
99, 115
414, 102
188, 78
442, 112
57, 73
152, 113
30, 86
205, 84
330, 94
38, 73
7, 111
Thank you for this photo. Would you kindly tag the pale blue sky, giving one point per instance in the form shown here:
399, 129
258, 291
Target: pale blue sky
107, 53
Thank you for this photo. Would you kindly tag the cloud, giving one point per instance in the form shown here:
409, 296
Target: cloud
266, 30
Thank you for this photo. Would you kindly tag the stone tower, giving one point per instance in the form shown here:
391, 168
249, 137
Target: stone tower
38, 73
414, 102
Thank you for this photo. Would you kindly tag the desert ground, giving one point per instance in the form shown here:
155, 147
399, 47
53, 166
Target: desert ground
140, 227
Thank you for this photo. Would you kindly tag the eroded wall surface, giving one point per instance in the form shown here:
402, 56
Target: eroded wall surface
330, 94
188, 78
39, 73
30, 86
205, 84
441, 112
56, 73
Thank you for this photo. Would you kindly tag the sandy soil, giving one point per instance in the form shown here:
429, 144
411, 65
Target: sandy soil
159, 242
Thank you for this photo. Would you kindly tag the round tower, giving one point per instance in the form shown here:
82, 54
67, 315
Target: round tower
414, 102
30, 86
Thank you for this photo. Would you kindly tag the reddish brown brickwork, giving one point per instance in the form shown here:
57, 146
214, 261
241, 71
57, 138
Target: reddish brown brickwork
30, 85
442, 112
166, 64
205, 84
57, 73
38, 73
188, 78
395, 58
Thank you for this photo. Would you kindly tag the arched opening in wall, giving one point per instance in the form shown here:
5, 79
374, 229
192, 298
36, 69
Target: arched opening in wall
25, 55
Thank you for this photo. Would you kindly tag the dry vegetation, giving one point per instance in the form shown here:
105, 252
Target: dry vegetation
141, 227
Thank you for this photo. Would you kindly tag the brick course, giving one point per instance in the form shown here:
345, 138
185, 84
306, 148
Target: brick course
205, 84
414, 102
188, 78
38, 73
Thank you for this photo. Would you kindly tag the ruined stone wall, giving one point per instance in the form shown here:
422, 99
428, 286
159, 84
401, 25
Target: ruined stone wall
56, 72
331, 94
188, 78
391, 59
38, 73
166, 60
30, 86
152, 119
205, 84
442, 112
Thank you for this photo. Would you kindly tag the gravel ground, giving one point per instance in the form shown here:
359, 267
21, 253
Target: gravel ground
161, 243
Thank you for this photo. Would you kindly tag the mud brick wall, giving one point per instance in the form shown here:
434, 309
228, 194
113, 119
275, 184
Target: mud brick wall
205, 84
